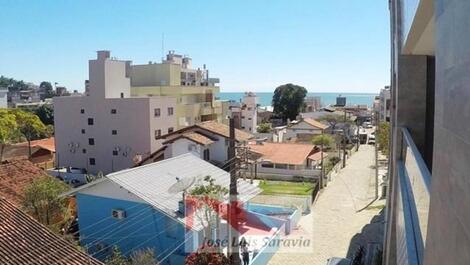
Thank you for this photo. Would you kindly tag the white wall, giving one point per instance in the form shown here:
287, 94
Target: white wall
3, 99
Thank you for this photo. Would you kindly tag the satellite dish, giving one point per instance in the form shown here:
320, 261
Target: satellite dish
181, 185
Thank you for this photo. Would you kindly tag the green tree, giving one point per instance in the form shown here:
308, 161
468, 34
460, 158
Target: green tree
207, 197
288, 101
30, 126
383, 137
143, 257
8, 129
264, 128
47, 88
45, 114
117, 258
42, 200
323, 139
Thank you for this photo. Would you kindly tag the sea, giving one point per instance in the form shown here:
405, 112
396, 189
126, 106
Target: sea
265, 98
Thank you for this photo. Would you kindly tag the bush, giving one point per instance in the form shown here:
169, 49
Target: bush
264, 128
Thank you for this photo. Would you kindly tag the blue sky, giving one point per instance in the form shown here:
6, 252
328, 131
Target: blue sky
323, 45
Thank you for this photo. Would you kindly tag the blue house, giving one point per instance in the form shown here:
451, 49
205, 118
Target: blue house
133, 209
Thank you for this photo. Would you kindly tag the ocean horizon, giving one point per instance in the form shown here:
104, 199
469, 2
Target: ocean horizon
327, 98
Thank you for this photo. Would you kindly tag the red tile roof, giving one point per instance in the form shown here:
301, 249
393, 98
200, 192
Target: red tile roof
283, 153
23, 240
317, 156
15, 175
192, 136
46, 143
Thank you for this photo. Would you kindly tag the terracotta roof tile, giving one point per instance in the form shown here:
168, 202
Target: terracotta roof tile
283, 153
15, 175
224, 130
317, 156
192, 136
47, 143
23, 240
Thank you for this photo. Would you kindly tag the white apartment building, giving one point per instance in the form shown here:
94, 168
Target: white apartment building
384, 105
3, 98
245, 113
106, 129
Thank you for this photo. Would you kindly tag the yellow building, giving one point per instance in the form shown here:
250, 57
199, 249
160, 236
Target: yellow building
193, 88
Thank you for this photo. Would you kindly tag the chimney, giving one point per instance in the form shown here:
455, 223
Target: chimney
103, 55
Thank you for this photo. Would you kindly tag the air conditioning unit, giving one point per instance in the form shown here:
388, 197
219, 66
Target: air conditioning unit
119, 214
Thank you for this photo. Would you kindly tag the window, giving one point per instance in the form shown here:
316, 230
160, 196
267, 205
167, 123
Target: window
122, 95
82, 111
207, 156
84, 150
92, 161
114, 132
249, 119
113, 111
91, 141
156, 112
90, 121
170, 130
170, 111
83, 131
158, 133
249, 108
115, 152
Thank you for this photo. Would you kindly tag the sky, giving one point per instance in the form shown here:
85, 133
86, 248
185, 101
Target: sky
256, 45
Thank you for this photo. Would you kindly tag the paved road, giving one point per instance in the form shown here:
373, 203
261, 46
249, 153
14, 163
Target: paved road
334, 219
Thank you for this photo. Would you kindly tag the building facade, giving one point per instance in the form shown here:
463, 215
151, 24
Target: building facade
428, 204
107, 130
193, 89
384, 104
3, 98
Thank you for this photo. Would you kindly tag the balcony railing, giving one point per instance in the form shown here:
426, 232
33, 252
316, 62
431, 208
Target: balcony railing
414, 180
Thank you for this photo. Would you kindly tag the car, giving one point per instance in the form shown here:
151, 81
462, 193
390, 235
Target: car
371, 139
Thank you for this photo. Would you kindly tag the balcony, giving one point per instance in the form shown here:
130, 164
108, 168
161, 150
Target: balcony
418, 27
412, 203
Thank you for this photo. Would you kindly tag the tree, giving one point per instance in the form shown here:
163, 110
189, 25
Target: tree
323, 139
117, 258
207, 197
30, 126
8, 129
288, 101
333, 120
45, 114
143, 257
206, 255
264, 128
47, 88
383, 137
42, 200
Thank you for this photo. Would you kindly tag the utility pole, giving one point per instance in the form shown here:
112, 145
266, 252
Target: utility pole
322, 172
344, 149
376, 160
233, 250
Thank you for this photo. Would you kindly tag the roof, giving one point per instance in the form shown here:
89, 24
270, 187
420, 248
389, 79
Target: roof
192, 136
151, 182
315, 123
283, 153
15, 175
317, 156
23, 240
46, 143
213, 127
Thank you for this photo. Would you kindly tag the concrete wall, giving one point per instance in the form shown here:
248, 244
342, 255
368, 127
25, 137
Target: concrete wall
448, 237
3, 98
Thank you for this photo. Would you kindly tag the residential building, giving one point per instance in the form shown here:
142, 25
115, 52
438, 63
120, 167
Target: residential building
283, 161
108, 129
140, 202
23, 240
193, 88
245, 113
207, 140
384, 107
3, 98
304, 130
312, 104
428, 203
340, 101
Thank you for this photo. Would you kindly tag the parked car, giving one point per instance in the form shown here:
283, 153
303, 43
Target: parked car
371, 139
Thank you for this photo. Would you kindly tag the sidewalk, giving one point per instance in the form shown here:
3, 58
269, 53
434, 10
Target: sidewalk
334, 220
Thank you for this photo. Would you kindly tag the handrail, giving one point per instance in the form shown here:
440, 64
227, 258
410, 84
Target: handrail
426, 175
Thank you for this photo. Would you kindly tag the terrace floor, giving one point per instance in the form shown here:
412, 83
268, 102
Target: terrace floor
334, 221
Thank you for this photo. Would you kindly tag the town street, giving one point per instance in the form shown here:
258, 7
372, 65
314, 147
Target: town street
335, 219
